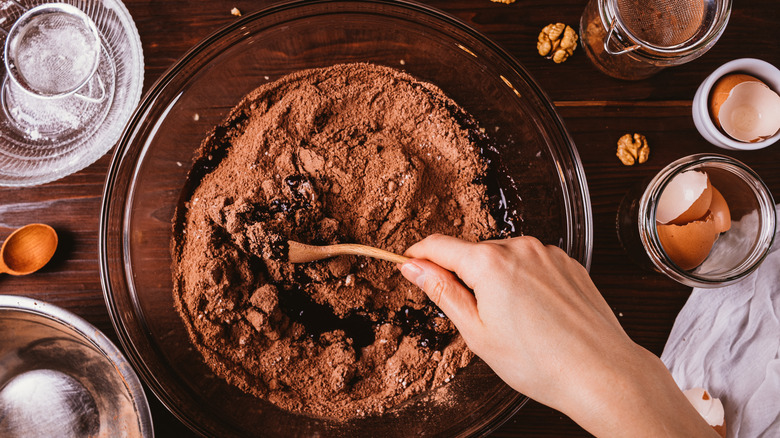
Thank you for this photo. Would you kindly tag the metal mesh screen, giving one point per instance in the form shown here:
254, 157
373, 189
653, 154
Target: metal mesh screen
667, 23
53, 53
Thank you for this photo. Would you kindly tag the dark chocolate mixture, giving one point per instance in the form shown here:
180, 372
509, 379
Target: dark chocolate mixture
350, 153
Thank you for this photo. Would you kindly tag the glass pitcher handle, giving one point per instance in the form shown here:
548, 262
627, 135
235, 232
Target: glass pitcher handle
91, 99
609, 38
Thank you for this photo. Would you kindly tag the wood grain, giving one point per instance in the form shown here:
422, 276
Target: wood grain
596, 109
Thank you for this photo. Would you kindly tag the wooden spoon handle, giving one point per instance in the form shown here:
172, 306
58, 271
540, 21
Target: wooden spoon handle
301, 253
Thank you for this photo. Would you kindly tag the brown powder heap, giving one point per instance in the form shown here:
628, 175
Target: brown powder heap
350, 153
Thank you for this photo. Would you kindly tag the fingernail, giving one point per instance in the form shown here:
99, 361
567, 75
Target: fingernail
413, 273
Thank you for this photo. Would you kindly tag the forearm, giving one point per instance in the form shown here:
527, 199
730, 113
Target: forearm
636, 398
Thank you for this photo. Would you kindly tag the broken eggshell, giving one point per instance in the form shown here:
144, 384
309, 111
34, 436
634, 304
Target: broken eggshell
710, 408
720, 211
745, 108
690, 216
722, 89
689, 244
686, 198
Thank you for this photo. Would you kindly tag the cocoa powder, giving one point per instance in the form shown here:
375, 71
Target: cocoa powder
349, 153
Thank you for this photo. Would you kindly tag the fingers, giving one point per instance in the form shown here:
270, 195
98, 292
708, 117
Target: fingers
444, 289
474, 262
446, 251
450, 253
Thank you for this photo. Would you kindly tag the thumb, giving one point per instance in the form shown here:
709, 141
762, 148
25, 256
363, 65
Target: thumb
446, 290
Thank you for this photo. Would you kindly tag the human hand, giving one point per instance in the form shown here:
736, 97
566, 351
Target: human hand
536, 318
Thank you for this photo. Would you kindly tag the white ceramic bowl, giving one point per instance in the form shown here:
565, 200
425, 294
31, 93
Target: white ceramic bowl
763, 70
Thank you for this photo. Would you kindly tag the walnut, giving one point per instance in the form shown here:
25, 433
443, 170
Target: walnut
633, 149
557, 42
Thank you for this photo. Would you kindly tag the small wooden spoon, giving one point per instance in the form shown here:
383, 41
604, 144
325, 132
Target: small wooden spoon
302, 253
28, 249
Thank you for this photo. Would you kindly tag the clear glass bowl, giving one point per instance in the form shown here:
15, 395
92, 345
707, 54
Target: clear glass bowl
44, 138
150, 167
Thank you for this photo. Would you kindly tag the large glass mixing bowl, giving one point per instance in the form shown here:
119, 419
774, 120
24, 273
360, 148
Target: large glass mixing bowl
150, 166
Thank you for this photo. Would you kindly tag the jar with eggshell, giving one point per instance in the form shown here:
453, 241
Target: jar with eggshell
705, 220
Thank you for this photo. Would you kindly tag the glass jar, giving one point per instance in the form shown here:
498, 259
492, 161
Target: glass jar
634, 39
735, 254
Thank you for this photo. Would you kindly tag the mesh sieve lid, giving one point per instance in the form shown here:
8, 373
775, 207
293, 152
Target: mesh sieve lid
668, 24
52, 50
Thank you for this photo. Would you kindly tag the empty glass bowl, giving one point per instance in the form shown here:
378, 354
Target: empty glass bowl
61, 376
151, 163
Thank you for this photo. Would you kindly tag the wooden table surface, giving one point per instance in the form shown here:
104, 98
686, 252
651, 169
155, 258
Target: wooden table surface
596, 109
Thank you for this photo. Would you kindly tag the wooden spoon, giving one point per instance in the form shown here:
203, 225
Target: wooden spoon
28, 249
302, 253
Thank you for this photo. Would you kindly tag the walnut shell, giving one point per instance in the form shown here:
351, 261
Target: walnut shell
632, 149
557, 42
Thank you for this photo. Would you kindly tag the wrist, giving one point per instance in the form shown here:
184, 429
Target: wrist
636, 396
